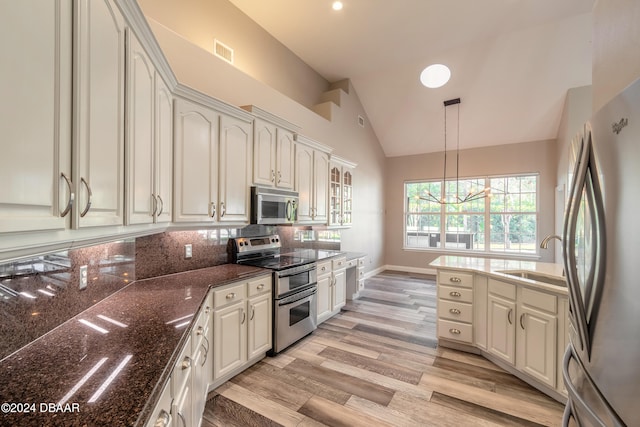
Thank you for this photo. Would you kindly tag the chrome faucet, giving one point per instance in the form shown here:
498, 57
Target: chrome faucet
545, 241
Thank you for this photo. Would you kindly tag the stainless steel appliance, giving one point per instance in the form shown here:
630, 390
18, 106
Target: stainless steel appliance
294, 286
601, 367
272, 206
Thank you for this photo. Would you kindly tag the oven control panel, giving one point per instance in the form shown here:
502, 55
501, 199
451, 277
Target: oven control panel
257, 244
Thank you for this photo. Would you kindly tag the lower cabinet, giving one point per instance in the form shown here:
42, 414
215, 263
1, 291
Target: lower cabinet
201, 338
242, 321
332, 287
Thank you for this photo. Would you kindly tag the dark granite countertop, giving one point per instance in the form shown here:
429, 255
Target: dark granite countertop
140, 335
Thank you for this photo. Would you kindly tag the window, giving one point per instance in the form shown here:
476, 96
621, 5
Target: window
504, 222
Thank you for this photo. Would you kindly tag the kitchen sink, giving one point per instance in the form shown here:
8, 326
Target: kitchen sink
550, 280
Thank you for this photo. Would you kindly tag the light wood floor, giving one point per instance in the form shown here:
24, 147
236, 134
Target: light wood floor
377, 364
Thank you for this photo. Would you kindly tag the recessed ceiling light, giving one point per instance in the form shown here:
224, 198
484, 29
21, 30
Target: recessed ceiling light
337, 5
435, 75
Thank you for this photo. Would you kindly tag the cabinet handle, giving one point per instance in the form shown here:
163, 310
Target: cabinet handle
521, 319
71, 196
200, 330
212, 209
253, 312
455, 294
208, 346
155, 204
184, 423
164, 419
186, 363
323, 268
509, 316
455, 279
231, 295
279, 177
260, 286
455, 331
454, 311
273, 175
88, 206
161, 205
244, 317
206, 351
223, 209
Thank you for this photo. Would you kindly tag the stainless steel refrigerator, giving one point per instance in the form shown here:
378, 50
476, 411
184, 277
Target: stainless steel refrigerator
601, 254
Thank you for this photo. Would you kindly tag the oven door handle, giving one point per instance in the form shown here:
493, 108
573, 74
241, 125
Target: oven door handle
297, 297
298, 270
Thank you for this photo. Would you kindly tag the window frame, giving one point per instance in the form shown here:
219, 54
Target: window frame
486, 213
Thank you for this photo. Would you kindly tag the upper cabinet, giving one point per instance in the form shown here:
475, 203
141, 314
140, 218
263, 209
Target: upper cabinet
312, 180
273, 150
341, 192
99, 102
36, 191
212, 172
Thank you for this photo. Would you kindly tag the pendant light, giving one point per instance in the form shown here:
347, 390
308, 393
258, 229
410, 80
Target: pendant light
457, 199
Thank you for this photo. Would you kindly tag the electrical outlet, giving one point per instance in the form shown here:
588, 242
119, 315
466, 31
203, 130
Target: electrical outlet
188, 251
83, 276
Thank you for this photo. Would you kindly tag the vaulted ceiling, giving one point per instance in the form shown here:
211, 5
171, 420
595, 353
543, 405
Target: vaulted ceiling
512, 62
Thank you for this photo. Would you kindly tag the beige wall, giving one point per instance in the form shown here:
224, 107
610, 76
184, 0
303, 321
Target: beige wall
537, 157
256, 52
616, 44
201, 70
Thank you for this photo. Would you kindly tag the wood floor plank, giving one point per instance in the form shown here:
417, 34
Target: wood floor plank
273, 389
371, 354
335, 415
383, 413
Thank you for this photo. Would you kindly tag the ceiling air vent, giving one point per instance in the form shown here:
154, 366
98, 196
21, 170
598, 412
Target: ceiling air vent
361, 121
222, 51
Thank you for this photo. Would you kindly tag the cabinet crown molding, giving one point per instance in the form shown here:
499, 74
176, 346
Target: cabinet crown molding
344, 162
193, 95
312, 143
265, 115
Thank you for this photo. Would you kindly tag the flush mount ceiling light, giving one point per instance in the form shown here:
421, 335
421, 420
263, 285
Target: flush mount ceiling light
435, 75
337, 5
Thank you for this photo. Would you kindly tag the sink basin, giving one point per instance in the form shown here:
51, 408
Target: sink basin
555, 281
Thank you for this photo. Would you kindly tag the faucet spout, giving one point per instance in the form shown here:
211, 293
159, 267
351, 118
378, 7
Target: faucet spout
545, 242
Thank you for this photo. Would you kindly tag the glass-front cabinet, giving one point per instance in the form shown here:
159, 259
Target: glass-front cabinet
341, 192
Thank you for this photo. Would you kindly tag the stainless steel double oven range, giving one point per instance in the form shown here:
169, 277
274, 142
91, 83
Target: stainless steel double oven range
294, 286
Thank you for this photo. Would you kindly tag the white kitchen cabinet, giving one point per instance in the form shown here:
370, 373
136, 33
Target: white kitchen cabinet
339, 292
455, 306
212, 164
341, 192
480, 307
273, 149
332, 287
234, 169
501, 334
242, 319
149, 144
323, 297
161, 415
181, 387
99, 114
311, 180
36, 115
201, 338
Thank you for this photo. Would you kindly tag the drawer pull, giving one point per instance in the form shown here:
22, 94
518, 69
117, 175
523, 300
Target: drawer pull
323, 268
455, 294
164, 419
454, 311
186, 363
231, 295
260, 286
455, 331
455, 279
200, 330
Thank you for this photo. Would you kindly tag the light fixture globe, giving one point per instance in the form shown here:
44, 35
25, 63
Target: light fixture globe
337, 5
435, 75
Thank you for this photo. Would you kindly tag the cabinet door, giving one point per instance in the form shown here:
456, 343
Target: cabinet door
259, 341
99, 114
36, 114
141, 202
347, 197
196, 155
324, 297
339, 289
536, 344
229, 339
284, 159
234, 169
304, 182
320, 187
164, 151
264, 153
502, 333
335, 196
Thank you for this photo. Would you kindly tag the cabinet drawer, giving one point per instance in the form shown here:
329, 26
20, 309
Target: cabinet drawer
540, 300
459, 311
339, 263
360, 273
360, 262
324, 267
453, 278
455, 293
506, 290
182, 370
200, 328
352, 263
228, 295
455, 331
259, 286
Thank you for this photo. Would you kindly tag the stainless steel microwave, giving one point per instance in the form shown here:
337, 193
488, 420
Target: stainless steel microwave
273, 206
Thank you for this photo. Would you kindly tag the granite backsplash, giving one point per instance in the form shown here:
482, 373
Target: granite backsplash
40, 293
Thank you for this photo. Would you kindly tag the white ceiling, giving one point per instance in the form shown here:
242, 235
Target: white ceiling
512, 62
